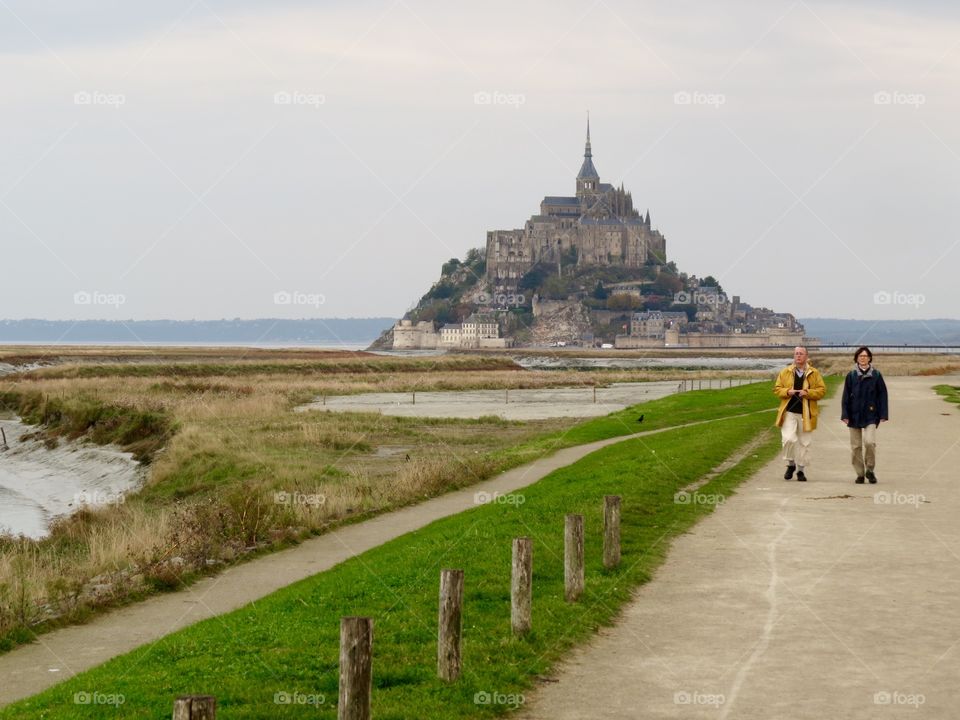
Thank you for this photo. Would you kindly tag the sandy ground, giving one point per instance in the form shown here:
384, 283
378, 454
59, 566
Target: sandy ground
818, 600
535, 404
38, 484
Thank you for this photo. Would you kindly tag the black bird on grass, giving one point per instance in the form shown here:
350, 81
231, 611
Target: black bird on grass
640, 419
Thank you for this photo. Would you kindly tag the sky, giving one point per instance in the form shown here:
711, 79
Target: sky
204, 159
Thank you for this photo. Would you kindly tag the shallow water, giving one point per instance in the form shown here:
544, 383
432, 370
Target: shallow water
38, 484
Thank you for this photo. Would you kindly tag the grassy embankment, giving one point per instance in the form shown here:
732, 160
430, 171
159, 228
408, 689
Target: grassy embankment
221, 448
286, 645
950, 393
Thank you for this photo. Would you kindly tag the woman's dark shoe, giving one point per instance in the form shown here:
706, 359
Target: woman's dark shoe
801, 477
859, 480
788, 475
871, 477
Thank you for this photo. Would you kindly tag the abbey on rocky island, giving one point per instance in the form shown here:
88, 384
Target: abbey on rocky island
597, 226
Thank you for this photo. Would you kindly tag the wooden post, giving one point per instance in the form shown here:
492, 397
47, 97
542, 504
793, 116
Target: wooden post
450, 624
521, 586
195, 707
324, 399
506, 395
611, 531
356, 668
573, 558
414, 397
4, 436
594, 395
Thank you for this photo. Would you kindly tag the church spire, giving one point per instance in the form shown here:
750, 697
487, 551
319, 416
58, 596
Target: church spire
587, 152
587, 171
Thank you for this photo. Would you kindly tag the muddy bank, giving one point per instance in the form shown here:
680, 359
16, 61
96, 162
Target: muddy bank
37, 483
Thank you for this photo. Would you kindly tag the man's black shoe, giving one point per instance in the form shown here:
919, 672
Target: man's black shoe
859, 480
801, 477
788, 475
871, 477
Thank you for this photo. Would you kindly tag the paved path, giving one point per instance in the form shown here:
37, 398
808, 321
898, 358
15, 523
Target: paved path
818, 600
58, 655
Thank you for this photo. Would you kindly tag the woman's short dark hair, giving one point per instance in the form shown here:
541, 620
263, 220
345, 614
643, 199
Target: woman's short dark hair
861, 349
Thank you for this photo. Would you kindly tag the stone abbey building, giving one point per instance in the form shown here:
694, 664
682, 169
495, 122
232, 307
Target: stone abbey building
597, 226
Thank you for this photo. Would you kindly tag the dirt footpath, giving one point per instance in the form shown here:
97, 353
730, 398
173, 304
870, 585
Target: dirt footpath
818, 600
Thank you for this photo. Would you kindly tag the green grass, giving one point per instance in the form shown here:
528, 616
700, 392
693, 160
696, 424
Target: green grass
950, 393
288, 641
141, 432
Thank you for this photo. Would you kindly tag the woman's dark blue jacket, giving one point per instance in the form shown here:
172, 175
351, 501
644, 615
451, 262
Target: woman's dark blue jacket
864, 399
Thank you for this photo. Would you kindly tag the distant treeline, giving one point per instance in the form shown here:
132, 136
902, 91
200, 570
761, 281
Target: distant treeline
884, 332
328, 331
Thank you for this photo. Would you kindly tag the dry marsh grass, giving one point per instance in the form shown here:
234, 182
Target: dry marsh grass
241, 471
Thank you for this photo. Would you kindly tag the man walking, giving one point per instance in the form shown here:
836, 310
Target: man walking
799, 386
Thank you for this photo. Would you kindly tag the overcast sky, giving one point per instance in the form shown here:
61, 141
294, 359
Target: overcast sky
193, 159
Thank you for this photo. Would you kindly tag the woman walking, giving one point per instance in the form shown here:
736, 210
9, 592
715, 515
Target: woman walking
863, 408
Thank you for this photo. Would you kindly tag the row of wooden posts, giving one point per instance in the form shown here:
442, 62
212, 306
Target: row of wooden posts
356, 633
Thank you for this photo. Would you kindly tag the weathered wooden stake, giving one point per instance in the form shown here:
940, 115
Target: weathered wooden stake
611, 531
450, 625
356, 668
573, 558
195, 707
521, 586
594, 396
414, 397
4, 436
506, 396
